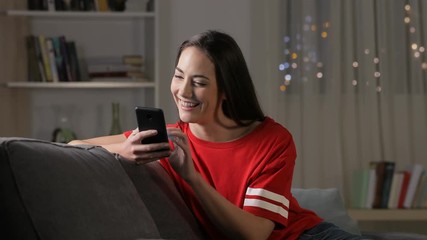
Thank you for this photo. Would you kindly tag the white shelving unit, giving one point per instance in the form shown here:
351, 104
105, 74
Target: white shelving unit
79, 14
88, 103
81, 85
388, 214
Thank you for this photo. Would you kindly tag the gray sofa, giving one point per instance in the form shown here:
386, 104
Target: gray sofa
57, 191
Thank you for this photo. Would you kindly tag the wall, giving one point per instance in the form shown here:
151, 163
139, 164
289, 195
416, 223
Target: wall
181, 19
14, 103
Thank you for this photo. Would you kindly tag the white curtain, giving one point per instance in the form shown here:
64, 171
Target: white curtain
353, 84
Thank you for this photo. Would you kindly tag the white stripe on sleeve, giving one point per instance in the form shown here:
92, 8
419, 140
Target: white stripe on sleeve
267, 194
266, 205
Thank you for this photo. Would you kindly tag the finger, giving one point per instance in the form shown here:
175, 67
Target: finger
143, 134
145, 161
179, 141
152, 147
152, 155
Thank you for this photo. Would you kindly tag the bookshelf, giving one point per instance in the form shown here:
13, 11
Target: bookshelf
96, 34
82, 85
81, 14
388, 214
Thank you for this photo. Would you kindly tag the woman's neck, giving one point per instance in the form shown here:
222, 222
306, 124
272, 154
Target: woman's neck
219, 133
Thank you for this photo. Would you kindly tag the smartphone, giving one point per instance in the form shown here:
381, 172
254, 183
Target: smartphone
152, 118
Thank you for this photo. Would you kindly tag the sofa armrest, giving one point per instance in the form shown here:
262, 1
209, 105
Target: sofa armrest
59, 191
328, 204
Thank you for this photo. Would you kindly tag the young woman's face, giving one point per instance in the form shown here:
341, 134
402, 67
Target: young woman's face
194, 87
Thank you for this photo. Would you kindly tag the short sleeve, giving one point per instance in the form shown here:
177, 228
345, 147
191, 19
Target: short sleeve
127, 133
269, 193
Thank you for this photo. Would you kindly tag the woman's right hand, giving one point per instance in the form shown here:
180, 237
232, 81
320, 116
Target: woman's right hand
131, 147
133, 150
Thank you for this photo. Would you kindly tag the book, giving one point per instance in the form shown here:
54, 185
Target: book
359, 189
421, 192
73, 60
404, 188
52, 60
59, 60
422, 199
66, 58
45, 57
415, 170
102, 5
395, 188
51, 5
40, 59
115, 67
371, 187
34, 74
388, 178
136, 60
379, 171
34, 4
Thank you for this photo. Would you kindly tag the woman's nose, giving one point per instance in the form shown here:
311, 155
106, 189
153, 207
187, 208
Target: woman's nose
186, 89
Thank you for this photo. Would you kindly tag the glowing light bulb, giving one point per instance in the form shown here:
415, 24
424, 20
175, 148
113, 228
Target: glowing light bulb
282, 88
355, 64
324, 34
377, 74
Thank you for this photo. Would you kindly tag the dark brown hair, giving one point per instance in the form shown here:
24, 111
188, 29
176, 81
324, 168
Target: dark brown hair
232, 74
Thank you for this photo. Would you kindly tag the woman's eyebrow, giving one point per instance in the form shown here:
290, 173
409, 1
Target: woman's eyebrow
197, 75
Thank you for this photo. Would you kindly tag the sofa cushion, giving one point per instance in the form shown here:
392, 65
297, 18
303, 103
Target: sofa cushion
328, 204
58, 191
157, 190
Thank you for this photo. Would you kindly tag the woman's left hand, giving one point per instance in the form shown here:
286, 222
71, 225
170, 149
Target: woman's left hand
180, 158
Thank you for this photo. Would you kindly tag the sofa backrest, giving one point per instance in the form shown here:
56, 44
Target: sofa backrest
58, 191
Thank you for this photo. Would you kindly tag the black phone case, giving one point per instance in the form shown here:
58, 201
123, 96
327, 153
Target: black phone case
152, 118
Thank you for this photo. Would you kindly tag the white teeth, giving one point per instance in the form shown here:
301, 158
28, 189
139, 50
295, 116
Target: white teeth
188, 104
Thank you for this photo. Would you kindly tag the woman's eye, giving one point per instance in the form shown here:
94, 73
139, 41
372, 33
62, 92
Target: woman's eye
200, 84
178, 76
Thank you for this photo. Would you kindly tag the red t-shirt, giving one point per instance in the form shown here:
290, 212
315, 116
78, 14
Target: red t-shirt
254, 173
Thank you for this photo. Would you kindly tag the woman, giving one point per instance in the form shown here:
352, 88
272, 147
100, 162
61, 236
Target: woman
232, 164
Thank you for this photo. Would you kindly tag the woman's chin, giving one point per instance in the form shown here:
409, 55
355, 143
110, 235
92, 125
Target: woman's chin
185, 117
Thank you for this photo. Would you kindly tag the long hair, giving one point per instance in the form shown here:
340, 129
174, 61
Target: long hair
232, 75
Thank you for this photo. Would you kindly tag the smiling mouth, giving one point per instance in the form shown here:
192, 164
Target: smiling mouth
187, 105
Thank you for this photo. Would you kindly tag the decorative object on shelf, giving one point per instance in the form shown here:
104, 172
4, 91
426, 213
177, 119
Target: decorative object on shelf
136, 5
63, 133
128, 67
115, 122
117, 5
150, 6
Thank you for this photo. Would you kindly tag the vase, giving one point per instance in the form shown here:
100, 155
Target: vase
115, 121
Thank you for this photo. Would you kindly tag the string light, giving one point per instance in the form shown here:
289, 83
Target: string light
407, 20
355, 64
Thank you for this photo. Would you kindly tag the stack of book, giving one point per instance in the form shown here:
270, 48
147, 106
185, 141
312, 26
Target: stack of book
128, 67
52, 59
382, 186
77, 5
